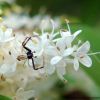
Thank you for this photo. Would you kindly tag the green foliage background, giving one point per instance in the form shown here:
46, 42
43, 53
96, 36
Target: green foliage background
86, 10
4, 98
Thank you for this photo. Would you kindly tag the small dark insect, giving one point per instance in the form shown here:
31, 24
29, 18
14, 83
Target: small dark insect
29, 53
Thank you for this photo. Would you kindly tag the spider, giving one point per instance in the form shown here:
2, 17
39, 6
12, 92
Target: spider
29, 53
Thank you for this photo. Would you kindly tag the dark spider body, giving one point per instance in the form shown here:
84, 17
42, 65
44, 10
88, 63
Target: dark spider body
29, 55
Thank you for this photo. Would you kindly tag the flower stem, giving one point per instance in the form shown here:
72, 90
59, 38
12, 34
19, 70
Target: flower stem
67, 22
93, 53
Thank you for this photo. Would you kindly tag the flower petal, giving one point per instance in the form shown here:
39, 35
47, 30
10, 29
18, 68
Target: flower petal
76, 64
69, 40
86, 61
8, 33
84, 48
7, 40
1, 35
30, 45
61, 44
64, 33
55, 60
24, 95
50, 50
68, 52
61, 71
50, 69
54, 35
61, 68
7, 68
77, 33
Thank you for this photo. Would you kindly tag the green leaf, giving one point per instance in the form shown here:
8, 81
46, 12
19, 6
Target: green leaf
4, 98
70, 79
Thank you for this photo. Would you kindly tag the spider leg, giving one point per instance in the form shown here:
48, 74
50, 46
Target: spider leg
27, 48
42, 63
34, 65
25, 42
30, 52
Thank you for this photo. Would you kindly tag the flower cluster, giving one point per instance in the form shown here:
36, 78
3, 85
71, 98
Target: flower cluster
27, 22
52, 52
57, 52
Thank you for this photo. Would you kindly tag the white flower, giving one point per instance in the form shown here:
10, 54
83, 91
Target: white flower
8, 68
10, 51
50, 52
66, 33
21, 94
82, 56
45, 24
42, 43
12, 21
59, 68
5, 35
68, 36
50, 36
8, 65
61, 51
58, 60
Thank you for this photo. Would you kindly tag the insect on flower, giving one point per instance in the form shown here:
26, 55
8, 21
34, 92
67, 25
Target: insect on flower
29, 54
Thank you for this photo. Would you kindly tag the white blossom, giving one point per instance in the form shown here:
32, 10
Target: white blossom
5, 35
81, 55
52, 52
21, 94
68, 36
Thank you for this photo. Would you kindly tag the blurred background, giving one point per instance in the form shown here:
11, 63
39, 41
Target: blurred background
82, 14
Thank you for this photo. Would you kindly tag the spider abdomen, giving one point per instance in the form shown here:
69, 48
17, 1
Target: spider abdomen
29, 55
